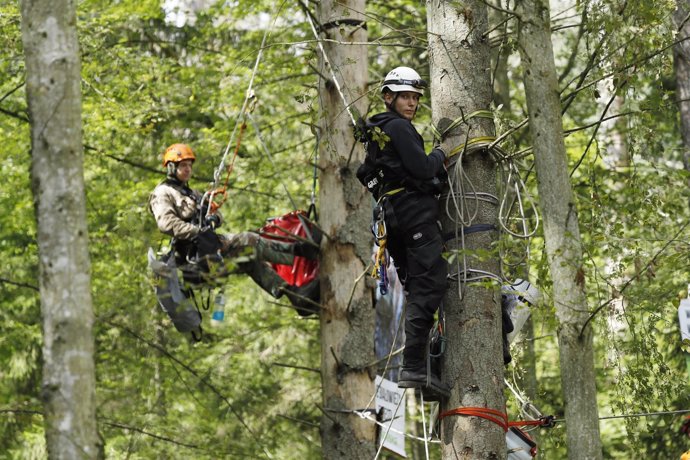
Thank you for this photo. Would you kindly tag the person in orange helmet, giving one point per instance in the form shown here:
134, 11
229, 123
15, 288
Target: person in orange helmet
179, 213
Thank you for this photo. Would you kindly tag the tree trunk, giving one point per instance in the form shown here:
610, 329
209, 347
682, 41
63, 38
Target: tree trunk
500, 54
561, 232
460, 68
51, 47
347, 318
681, 60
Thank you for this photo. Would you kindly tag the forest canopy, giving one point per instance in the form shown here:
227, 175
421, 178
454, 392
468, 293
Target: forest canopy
155, 73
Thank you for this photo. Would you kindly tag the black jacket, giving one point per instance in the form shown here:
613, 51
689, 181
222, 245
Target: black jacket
396, 157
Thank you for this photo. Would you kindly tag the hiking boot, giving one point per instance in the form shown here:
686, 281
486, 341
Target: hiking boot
430, 385
306, 249
305, 298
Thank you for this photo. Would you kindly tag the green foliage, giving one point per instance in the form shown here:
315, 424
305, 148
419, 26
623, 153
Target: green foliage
148, 81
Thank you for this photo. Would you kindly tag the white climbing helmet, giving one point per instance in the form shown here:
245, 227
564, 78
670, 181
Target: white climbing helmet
403, 79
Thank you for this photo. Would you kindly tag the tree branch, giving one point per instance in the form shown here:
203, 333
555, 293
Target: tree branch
635, 276
596, 130
201, 379
15, 283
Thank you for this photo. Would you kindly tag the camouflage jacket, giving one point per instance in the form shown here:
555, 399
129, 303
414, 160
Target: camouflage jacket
175, 206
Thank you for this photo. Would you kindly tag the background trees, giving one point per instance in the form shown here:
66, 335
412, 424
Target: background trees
250, 388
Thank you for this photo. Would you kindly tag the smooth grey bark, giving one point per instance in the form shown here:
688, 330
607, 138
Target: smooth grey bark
681, 61
460, 77
49, 36
347, 318
561, 231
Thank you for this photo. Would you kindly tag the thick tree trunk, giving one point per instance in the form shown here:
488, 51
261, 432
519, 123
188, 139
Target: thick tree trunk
347, 318
561, 232
681, 60
460, 67
49, 35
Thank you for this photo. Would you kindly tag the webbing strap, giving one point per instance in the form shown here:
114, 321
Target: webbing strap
492, 415
498, 417
390, 193
468, 230
473, 144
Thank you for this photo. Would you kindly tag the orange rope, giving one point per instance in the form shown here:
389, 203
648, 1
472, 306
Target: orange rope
497, 417
222, 191
492, 415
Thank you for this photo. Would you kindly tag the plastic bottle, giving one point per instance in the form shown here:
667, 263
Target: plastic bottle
218, 314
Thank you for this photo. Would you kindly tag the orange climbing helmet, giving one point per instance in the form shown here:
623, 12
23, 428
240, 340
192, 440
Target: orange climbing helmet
178, 152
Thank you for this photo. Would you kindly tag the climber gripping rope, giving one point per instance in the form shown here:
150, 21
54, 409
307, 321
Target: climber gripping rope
204, 256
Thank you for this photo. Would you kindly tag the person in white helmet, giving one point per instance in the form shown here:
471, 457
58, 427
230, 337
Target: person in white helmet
406, 182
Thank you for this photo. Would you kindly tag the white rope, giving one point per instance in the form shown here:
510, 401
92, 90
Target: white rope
426, 444
462, 208
249, 96
319, 43
527, 410
270, 158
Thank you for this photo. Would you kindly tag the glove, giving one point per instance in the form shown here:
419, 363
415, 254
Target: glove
360, 131
446, 148
212, 220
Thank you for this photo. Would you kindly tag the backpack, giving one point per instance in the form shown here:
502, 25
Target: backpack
282, 228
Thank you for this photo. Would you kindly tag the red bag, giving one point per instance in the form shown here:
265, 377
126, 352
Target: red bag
302, 270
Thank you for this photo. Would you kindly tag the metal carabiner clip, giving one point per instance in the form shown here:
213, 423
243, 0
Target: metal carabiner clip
378, 226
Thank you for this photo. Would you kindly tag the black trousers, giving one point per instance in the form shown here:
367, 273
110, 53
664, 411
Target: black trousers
415, 243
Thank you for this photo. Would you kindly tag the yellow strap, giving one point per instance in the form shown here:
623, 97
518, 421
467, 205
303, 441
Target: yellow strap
487, 140
392, 192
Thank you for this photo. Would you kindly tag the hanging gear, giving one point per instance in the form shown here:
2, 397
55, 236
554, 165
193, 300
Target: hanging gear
517, 298
172, 298
381, 260
436, 347
295, 227
520, 445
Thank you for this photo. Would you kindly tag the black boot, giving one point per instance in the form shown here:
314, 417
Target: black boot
416, 374
306, 298
306, 249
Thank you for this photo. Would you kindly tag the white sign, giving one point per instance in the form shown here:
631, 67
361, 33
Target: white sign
684, 319
390, 402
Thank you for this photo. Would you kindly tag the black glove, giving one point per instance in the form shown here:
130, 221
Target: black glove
212, 220
361, 132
